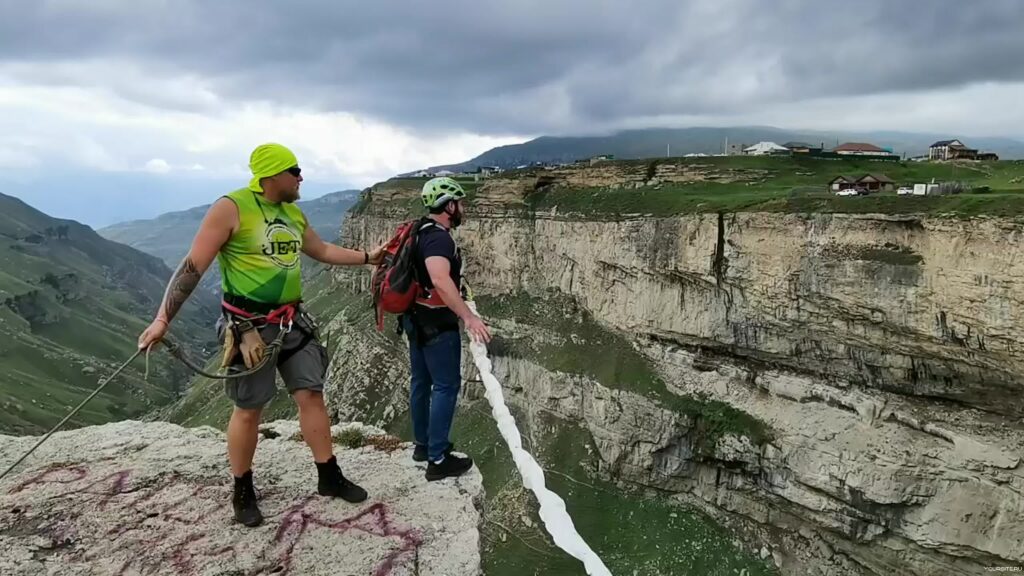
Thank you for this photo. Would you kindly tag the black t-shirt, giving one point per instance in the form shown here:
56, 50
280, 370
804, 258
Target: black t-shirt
435, 240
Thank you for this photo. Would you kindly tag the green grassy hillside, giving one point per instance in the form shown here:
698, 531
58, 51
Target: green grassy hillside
72, 305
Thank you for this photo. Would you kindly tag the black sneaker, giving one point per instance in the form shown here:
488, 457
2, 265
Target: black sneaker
450, 466
419, 452
334, 484
244, 502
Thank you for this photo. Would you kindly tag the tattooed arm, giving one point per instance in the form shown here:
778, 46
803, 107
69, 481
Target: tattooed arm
183, 282
218, 225
314, 247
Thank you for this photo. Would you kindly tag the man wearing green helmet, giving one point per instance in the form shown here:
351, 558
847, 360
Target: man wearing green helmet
432, 326
256, 234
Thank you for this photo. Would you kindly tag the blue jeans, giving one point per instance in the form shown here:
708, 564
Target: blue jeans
436, 380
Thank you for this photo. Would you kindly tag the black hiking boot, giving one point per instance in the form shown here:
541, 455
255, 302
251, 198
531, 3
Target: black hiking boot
419, 453
450, 466
244, 501
334, 484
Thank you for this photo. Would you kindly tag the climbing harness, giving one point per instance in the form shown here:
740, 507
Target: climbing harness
242, 333
552, 507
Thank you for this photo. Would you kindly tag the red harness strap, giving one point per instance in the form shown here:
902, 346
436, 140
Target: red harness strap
281, 315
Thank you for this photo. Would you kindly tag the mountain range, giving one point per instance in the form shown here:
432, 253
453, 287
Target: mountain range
169, 235
659, 142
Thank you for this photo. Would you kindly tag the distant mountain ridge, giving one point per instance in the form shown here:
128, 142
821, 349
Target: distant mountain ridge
169, 235
657, 142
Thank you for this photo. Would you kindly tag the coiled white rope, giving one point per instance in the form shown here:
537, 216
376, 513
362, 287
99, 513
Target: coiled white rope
552, 507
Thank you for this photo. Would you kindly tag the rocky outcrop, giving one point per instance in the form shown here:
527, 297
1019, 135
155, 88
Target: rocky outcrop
879, 351
896, 485
154, 498
35, 306
67, 287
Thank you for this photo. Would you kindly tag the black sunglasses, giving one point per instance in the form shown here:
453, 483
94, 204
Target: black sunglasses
294, 171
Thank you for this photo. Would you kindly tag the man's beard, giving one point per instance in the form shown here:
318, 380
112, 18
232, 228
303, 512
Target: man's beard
455, 217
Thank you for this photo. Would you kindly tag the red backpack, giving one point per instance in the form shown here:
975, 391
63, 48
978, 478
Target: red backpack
394, 284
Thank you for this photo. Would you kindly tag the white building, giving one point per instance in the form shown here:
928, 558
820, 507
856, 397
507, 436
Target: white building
765, 148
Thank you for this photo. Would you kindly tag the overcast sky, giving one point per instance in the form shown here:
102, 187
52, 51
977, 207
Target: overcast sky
114, 109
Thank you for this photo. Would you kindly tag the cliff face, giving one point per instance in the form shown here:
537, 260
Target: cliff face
922, 308
877, 353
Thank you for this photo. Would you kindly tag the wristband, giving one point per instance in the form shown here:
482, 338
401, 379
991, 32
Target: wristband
366, 257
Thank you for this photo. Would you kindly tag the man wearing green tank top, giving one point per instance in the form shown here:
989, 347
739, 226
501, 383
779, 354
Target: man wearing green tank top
257, 233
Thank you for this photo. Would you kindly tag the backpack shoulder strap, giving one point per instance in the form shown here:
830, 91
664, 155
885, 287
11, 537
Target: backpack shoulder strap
425, 223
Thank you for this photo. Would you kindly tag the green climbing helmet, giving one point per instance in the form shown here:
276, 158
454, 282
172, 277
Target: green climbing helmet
437, 191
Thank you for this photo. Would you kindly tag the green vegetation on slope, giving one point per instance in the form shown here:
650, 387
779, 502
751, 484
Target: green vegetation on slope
72, 305
584, 347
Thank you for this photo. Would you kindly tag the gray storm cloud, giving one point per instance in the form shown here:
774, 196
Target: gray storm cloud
514, 66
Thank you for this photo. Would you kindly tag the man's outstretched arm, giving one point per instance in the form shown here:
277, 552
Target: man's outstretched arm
215, 230
314, 247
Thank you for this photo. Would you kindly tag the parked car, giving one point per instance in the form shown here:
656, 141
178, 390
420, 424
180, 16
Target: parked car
848, 192
905, 190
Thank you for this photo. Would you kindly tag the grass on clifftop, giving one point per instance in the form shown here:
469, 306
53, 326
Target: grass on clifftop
712, 197
799, 185
769, 184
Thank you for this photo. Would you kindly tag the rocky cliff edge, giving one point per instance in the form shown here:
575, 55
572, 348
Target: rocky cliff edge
154, 498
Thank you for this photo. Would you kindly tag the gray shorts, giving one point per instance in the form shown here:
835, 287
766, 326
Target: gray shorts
301, 368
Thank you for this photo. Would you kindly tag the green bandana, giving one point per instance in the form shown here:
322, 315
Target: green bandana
267, 160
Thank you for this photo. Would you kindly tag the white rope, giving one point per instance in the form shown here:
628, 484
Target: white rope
552, 507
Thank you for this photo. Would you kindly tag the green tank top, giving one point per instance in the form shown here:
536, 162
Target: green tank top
261, 260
